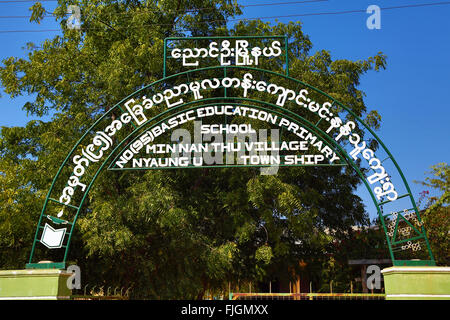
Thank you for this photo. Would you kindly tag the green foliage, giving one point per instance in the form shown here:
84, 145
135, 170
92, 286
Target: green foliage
436, 212
37, 12
440, 180
170, 234
264, 254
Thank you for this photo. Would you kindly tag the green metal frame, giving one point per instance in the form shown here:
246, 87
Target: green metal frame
311, 126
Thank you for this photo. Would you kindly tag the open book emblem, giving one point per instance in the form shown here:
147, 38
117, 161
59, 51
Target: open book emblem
52, 238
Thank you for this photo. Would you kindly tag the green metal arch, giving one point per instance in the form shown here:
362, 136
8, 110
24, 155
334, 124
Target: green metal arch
310, 125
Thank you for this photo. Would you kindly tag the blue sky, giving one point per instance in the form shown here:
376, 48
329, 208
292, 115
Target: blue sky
411, 94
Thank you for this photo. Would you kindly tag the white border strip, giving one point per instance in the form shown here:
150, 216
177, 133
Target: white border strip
37, 298
417, 269
418, 296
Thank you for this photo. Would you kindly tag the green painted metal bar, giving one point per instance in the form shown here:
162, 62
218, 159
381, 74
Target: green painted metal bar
383, 224
286, 49
52, 265
414, 263
225, 75
385, 159
165, 58
407, 240
121, 110
399, 197
225, 37
320, 120
230, 166
397, 221
35, 238
57, 220
390, 214
63, 204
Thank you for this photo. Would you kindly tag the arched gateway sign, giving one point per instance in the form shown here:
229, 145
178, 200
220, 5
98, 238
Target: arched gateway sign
235, 113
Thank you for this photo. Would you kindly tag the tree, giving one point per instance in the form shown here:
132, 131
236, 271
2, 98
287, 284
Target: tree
436, 212
170, 234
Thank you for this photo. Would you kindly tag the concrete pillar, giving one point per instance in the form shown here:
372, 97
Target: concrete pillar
417, 283
34, 284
